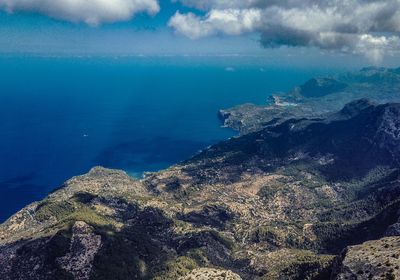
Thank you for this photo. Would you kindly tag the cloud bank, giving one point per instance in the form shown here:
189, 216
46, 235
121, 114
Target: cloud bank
92, 12
368, 27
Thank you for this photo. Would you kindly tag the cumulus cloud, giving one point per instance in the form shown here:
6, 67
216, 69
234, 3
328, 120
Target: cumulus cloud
369, 27
230, 21
92, 12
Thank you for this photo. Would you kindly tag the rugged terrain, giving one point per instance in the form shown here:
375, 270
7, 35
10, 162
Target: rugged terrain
315, 98
305, 198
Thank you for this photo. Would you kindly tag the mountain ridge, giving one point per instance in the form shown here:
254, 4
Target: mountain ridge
316, 98
290, 201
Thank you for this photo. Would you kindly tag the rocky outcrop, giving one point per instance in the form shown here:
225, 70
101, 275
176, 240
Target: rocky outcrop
210, 274
84, 247
278, 203
394, 230
378, 259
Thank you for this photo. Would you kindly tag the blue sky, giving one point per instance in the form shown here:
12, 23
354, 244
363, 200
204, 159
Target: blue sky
144, 34
353, 31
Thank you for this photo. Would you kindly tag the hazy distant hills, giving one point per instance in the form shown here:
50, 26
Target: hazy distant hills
317, 97
298, 198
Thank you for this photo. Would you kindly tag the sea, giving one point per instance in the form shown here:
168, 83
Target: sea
62, 115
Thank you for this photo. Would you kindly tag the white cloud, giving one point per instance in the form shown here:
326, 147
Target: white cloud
229, 21
368, 27
92, 12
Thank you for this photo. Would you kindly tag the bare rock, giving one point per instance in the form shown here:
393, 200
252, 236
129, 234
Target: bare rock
211, 274
378, 259
84, 246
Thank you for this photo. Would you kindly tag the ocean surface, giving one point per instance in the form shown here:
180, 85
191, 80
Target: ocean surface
60, 116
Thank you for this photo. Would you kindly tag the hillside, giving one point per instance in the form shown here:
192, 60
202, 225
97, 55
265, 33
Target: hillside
316, 98
293, 200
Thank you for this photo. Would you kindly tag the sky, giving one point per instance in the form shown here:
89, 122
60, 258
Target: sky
348, 31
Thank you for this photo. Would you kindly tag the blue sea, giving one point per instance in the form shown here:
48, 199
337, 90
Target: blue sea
60, 116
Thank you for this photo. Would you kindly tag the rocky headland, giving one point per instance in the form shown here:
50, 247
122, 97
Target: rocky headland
300, 198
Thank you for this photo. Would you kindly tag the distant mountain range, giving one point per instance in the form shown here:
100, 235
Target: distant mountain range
301, 194
317, 97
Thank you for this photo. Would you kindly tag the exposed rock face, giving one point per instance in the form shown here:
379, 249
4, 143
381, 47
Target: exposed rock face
279, 203
394, 230
210, 274
389, 130
378, 259
84, 247
33, 259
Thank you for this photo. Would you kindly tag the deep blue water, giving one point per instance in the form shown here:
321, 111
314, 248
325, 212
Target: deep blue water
61, 116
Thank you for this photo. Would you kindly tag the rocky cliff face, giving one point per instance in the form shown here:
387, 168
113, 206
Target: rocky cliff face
293, 200
377, 259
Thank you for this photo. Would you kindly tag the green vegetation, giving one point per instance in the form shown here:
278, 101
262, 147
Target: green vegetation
306, 172
199, 256
267, 234
270, 191
320, 191
175, 268
58, 210
288, 236
300, 265
68, 212
227, 242
172, 186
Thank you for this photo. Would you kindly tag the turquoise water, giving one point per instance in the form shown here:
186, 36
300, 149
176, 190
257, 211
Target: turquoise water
61, 116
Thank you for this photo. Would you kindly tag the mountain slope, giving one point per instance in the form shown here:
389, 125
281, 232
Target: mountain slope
316, 98
278, 203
